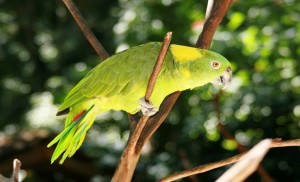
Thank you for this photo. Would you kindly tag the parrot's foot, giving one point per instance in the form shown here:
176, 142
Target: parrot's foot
147, 108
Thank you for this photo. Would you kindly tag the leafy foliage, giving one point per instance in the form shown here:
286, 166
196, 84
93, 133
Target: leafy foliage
43, 55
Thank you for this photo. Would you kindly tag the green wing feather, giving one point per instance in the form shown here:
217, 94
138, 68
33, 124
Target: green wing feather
71, 138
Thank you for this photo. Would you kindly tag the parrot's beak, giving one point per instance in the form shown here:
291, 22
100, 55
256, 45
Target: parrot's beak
224, 79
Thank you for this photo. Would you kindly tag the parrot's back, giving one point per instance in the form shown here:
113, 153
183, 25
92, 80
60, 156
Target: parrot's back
121, 80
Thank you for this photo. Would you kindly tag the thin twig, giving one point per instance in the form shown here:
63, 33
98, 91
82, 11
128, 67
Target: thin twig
158, 64
157, 67
207, 167
289, 143
130, 156
86, 30
153, 77
150, 86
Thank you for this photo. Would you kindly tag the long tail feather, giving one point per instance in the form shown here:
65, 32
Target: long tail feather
71, 138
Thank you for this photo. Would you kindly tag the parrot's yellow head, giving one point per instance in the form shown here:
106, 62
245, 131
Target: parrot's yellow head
199, 66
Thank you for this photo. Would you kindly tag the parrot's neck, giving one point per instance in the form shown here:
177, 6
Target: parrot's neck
179, 79
183, 78
184, 75
186, 80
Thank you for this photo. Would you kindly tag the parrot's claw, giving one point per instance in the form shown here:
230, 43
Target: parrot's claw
147, 108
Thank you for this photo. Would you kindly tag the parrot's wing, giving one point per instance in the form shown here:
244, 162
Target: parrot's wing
75, 96
121, 74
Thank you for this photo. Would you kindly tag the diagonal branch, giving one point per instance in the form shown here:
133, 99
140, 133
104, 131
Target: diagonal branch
157, 66
207, 167
130, 156
86, 30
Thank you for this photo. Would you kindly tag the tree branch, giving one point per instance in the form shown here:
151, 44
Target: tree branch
207, 167
86, 30
131, 154
157, 66
219, 9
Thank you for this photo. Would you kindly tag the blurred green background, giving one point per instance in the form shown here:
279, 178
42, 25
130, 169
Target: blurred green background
43, 55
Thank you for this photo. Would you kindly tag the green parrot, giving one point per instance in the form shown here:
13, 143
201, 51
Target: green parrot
119, 83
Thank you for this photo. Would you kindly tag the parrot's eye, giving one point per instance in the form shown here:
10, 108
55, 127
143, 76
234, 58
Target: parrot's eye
215, 64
